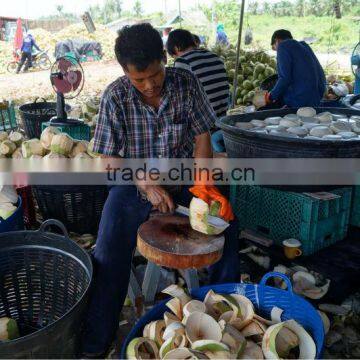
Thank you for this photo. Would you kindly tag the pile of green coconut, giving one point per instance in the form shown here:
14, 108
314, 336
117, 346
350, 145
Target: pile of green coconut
220, 327
254, 68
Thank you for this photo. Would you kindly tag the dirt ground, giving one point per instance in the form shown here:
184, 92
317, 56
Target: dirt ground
26, 86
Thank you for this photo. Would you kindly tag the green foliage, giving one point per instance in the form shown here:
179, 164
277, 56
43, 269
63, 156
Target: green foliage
111, 10
137, 9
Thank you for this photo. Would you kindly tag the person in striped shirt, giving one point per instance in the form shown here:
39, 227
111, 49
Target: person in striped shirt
206, 66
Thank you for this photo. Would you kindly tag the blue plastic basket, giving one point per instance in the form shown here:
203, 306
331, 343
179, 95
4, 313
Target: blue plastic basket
264, 298
15, 222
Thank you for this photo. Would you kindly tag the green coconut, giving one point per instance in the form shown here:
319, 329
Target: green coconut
8, 329
248, 85
259, 68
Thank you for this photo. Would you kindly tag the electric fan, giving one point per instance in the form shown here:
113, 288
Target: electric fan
67, 80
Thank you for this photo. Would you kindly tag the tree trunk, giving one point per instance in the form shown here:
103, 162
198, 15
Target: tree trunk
337, 9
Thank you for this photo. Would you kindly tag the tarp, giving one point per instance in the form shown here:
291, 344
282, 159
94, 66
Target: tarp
78, 47
18, 39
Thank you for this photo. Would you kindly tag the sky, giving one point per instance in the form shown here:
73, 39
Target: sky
35, 8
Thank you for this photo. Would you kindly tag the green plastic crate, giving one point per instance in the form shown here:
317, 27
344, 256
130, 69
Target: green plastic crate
77, 132
7, 116
281, 215
355, 208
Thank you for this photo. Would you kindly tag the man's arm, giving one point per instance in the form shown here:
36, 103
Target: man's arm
35, 45
203, 147
284, 72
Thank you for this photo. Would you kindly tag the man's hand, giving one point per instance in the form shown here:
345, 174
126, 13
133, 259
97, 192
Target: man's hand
261, 99
158, 197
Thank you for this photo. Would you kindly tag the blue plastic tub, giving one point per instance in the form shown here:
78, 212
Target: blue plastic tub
264, 298
15, 222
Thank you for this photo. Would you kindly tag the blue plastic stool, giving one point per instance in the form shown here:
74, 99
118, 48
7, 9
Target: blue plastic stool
264, 299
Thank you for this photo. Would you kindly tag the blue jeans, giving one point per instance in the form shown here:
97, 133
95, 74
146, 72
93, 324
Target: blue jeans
123, 213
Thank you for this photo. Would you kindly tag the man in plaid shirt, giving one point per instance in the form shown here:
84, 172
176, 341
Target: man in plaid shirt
151, 112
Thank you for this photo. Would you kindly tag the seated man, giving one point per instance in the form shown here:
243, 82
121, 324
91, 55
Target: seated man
301, 79
207, 67
151, 112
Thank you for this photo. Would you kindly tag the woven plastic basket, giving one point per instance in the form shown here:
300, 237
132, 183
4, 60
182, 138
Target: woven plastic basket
15, 221
264, 298
28, 205
44, 284
78, 207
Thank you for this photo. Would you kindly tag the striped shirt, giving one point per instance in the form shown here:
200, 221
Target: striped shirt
210, 70
132, 129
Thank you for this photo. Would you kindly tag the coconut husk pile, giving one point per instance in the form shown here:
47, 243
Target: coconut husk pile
222, 326
343, 335
309, 284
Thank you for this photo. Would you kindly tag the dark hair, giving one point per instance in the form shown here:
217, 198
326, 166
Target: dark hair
181, 39
281, 35
197, 39
138, 45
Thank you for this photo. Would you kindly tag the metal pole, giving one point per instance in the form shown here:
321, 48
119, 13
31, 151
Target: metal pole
238, 53
180, 12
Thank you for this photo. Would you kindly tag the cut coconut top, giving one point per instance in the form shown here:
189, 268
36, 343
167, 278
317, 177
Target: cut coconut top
306, 112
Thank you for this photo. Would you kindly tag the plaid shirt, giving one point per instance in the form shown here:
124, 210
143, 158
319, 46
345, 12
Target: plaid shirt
132, 129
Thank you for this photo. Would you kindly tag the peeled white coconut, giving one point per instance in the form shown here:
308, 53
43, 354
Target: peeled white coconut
340, 126
32, 147
6, 210
80, 147
52, 155
199, 211
306, 112
310, 137
298, 130
244, 125
289, 123
36, 156
337, 117
307, 120
61, 144
306, 343
277, 128
274, 120
347, 135
47, 135
291, 117
202, 326
7, 148
3, 135
356, 126
141, 348
8, 194
309, 126
320, 131
16, 137
258, 123
354, 117
8, 329
332, 137
259, 131
324, 117
17, 154
82, 156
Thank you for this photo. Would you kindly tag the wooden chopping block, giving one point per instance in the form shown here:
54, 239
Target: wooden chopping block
169, 240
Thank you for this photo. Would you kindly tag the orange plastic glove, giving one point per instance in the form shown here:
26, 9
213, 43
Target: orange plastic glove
209, 193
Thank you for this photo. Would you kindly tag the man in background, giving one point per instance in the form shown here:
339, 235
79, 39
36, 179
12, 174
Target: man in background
206, 66
221, 37
165, 36
301, 79
26, 52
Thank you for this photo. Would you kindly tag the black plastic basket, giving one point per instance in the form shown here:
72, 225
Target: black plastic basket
44, 284
78, 207
34, 114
